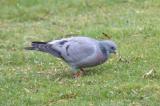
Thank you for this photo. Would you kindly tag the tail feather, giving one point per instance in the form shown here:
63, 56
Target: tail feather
36, 45
39, 45
37, 42
44, 47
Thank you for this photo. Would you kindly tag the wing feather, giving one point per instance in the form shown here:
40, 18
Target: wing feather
75, 51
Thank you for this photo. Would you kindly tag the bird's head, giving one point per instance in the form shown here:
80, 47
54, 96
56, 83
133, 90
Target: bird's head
109, 46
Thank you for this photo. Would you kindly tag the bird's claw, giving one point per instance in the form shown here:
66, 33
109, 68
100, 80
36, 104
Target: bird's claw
78, 74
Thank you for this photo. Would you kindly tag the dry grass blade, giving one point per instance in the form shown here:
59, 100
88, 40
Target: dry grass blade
122, 59
150, 73
106, 35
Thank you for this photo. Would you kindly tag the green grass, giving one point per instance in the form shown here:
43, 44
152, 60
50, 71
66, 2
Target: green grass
34, 78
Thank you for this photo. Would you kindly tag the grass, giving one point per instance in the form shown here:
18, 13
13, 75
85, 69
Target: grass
33, 78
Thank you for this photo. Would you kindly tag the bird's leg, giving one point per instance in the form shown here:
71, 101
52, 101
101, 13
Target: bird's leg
78, 73
82, 71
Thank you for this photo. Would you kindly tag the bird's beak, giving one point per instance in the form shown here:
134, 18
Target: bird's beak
115, 52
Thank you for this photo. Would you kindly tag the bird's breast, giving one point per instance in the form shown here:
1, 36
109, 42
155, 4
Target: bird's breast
100, 57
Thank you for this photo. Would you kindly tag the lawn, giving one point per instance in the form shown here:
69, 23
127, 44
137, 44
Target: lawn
37, 79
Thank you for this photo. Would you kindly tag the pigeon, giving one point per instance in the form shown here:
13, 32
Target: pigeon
78, 52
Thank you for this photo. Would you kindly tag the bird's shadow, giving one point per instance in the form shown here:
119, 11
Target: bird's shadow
93, 71
52, 75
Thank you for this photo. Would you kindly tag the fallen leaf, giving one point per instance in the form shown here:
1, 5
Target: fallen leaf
150, 73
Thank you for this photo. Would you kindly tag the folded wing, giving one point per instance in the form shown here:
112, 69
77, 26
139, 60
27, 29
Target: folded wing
75, 50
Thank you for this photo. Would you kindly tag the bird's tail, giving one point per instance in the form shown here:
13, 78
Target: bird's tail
44, 47
39, 46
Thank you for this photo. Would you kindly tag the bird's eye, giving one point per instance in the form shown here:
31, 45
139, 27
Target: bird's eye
112, 48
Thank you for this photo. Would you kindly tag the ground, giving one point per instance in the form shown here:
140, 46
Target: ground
34, 78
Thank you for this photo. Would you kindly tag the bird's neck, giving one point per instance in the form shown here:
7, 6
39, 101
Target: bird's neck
103, 48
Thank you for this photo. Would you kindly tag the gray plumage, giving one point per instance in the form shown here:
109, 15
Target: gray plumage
78, 52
